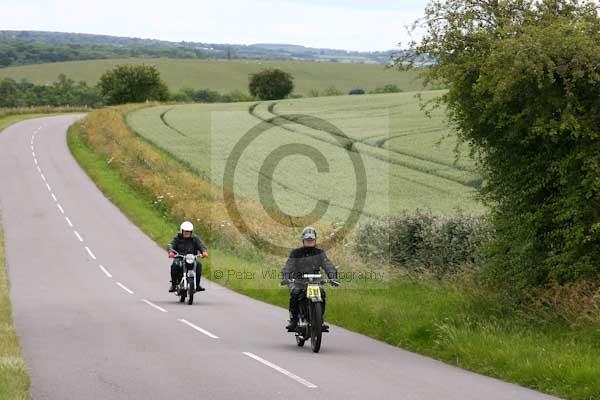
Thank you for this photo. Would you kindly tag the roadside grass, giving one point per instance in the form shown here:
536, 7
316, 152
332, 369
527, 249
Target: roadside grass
14, 378
9, 116
8, 120
463, 326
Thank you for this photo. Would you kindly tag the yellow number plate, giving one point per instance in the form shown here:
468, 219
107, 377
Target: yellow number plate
313, 291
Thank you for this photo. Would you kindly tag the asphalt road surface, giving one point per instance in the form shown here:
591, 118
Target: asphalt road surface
94, 319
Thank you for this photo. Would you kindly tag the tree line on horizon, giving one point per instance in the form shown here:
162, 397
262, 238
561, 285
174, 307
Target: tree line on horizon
135, 83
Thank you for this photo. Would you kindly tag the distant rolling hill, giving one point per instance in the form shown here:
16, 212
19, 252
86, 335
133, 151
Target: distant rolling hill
66, 46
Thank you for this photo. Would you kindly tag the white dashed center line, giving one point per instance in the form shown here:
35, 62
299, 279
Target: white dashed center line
105, 271
279, 369
90, 253
125, 288
151, 304
207, 333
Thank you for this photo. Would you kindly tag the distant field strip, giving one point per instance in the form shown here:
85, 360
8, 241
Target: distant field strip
400, 176
226, 76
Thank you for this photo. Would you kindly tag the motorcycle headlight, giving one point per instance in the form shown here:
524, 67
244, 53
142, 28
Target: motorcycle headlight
189, 258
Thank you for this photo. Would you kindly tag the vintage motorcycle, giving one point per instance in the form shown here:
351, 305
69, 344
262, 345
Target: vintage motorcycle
310, 318
187, 286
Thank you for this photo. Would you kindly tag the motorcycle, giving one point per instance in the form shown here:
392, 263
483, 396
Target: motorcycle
187, 286
310, 318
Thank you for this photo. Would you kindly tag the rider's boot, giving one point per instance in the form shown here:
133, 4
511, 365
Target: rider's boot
172, 288
324, 327
292, 326
198, 287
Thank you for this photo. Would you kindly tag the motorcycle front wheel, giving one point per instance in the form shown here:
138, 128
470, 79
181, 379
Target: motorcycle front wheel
316, 325
191, 290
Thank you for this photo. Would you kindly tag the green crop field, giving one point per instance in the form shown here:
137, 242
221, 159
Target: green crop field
225, 76
406, 165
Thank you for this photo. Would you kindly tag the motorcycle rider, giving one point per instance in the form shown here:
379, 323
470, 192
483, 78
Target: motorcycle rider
308, 259
186, 243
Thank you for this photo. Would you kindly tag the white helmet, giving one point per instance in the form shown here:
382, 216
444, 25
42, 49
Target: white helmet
186, 226
309, 233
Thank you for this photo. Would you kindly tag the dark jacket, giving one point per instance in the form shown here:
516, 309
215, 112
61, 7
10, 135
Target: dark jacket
308, 260
192, 245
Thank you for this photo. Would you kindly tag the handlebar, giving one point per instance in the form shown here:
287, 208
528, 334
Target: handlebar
332, 282
178, 255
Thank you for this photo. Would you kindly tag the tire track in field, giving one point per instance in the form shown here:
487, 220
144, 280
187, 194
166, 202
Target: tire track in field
166, 123
251, 110
378, 143
287, 187
471, 184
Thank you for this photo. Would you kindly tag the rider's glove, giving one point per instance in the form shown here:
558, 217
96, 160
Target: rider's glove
334, 282
284, 282
171, 254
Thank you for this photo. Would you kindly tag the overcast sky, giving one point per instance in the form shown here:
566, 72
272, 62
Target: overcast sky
342, 24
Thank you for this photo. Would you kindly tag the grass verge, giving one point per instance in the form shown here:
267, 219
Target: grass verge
6, 121
14, 378
464, 328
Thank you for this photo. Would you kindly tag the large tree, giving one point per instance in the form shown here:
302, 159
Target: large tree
523, 80
271, 84
132, 83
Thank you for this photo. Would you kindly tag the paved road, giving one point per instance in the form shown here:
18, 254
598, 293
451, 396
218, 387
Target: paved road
95, 321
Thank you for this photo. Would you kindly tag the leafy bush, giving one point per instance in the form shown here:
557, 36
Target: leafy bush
130, 83
523, 90
314, 93
271, 84
235, 96
189, 95
331, 91
439, 244
389, 88
62, 92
